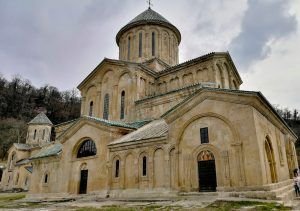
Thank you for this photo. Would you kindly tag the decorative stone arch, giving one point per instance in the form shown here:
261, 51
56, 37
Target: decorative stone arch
116, 168
270, 159
188, 79
105, 73
130, 170
78, 144
143, 166
235, 149
137, 34
123, 98
291, 156
173, 83
83, 166
221, 71
209, 114
226, 75
158, 167
156, 41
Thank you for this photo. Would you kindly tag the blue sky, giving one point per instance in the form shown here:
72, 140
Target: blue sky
59, 42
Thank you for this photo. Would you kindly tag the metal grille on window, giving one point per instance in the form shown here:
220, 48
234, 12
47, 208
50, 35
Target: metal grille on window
204, 135
87, 148
106, 106
122, 112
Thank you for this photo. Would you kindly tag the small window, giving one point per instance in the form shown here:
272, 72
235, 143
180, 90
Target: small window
153, 43
34, 135
128, 49
122, 112
106, 106
144, 166
91, 108
26, 181
204, 135
140, 44
46, 179
117, 168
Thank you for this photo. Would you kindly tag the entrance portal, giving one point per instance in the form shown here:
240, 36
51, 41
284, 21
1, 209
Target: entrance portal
206, 171
83, 181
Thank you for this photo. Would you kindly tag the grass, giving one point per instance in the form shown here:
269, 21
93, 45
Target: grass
9, 201
251, 205
11, 197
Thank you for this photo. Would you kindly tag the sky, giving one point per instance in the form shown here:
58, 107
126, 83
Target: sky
59, 42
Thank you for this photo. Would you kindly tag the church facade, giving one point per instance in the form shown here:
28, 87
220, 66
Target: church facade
150, 126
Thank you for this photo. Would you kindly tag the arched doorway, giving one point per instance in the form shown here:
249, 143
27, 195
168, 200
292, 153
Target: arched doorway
83, 179
271, 160
206, 171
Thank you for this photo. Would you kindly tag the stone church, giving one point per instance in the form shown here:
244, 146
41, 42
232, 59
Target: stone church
151, 126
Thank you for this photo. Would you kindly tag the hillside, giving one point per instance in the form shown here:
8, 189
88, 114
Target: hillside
20, 101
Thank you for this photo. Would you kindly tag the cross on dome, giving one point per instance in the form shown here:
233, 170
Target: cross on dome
150, 4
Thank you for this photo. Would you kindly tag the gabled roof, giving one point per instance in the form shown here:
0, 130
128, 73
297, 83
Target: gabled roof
41, 119
155, 129
100, 121
22, 147
48, 151
259, 95
110, 122
202, 58
22, 162
116, 62
149, 16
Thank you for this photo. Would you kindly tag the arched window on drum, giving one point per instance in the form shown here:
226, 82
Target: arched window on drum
86, 149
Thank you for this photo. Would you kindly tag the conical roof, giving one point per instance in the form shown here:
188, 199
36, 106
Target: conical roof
41, 119
149, 16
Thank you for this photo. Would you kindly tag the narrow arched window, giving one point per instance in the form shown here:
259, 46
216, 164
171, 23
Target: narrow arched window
153, 43
34, 135
43, 134
140, 44
87, 148
106, 106
144, 166
128, 49
26, 181
122, 112
46, 178
91, 108
117, 168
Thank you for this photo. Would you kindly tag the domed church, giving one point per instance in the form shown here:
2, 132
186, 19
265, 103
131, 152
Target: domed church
151, 126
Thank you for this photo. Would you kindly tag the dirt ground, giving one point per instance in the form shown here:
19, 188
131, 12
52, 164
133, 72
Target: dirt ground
18, 201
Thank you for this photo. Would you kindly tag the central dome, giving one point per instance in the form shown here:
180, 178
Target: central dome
149, 16
149, 35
